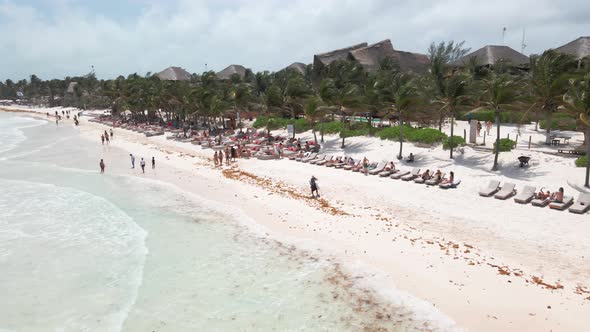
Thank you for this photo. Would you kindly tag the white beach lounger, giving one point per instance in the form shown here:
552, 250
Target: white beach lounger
349, 167
388, 172
526, 195
506, 191
434, 181
399, 174
540, 202
379, 168
322, 162
491, 189
310, 158
449, 185
318, 159
304, 156
414, 174
567, 201
582, 204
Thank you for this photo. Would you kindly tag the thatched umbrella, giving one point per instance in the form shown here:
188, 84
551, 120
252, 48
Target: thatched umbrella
231, 70
174, 74
491, 55
324, 59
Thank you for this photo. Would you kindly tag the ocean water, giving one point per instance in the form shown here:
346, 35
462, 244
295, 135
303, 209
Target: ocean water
80, 251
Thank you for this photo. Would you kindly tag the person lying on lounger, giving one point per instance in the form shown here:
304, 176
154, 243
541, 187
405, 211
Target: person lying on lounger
450, 180
437, 174
426, 175
543, 195
389, 167
557, 196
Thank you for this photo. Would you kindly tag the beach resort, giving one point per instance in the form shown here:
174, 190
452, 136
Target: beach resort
365, 188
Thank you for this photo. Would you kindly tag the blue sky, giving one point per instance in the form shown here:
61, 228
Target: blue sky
58, 38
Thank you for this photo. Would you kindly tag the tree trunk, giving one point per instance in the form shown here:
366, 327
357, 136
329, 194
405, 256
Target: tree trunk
497, 146
342, 146
548, 127
452, 132
587, 182
401, 136
322, 135
314, 135
440, 121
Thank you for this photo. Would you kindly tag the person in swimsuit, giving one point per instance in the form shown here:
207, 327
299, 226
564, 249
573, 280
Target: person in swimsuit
314, 187
142, 164
101, 164
153, 163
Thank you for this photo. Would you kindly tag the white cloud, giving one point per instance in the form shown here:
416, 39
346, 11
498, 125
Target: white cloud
268, 34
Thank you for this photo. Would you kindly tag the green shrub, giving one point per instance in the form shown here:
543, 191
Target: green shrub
416, 135
457, 141
489, 115
582, 161
300, 125
333, 127
426, 136
354, 132
506, 144
561, 121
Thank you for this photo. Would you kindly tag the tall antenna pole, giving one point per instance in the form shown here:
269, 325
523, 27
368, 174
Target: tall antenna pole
503, 36
522, 44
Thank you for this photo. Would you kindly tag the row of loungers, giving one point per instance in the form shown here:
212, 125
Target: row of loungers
381, 169
527, 195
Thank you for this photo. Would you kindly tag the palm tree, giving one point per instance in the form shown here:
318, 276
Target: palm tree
500, 90
578, 99
313, 113
347, 96
549, 83
452, 94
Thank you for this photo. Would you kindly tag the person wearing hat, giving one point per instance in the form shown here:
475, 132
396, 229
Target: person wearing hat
314, 187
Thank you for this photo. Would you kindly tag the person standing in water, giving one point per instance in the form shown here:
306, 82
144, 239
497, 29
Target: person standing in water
102, 139
101, 164
132, 160
142, 164
314, 187
153, 163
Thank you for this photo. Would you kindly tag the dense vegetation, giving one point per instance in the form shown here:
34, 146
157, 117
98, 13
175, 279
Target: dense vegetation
505, 144
552, 91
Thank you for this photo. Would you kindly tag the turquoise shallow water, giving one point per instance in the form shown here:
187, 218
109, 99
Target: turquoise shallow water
85, 252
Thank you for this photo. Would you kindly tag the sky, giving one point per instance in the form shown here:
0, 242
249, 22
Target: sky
59, 38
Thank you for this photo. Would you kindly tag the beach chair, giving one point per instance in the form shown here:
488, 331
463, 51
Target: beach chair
399, 174
343, 163
491, 189
349, 167
582, 204
388, 172
506, 191
540, 202
311, 157
414, 174
304, 156
449, 185
567, 201
369, 168
318, 159
379, 168
434, 181
526, 195
323, 162
336, 162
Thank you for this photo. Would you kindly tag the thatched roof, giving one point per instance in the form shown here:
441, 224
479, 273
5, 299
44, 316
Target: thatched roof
414, 62
579, 48
371, 56
230, 70
297, 66
324, 59
174, 74
491, 54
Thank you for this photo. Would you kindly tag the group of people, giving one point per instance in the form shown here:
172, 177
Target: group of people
230, 156
488, 124
547, 195
141, 163
105, 137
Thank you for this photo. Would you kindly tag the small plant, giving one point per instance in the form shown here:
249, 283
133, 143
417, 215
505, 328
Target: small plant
506, 144
582, 161
457, 141
333, 127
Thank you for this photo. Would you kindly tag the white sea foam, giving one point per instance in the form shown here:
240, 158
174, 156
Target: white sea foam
60, 248
10, 130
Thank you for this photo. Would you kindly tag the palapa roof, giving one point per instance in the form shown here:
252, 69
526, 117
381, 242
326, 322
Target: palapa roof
491, 54
230, 70
174, 74
324, 59
579, 48
414, 62
297, 66
370, 56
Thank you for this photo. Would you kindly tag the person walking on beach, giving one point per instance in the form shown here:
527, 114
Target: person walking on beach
488, 127
106, 136
314, 187
102, 139
111, 133
153, 163
220, 155
233, 153
132, 160
227, 156
101, 164
142, 164
215, 159
478, 128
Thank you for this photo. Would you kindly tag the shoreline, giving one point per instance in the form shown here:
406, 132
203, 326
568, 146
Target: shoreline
416, 249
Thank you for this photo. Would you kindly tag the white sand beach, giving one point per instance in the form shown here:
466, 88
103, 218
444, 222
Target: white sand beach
488, 264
